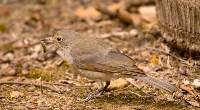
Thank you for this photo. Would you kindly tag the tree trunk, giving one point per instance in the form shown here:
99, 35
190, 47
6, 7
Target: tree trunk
179, 21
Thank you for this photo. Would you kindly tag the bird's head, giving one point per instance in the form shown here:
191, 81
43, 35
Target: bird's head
61, 38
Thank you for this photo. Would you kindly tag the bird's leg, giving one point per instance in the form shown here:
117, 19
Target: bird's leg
98, 92
75, 71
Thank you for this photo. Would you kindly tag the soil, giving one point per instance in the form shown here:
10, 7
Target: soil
24, 23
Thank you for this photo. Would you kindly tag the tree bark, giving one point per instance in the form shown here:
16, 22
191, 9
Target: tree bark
179, 21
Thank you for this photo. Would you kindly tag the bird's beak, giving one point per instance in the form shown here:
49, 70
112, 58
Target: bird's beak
48, 40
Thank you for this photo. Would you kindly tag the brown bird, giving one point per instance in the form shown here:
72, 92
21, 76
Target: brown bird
95, 59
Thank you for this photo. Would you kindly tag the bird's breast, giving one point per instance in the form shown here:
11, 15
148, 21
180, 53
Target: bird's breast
95, 75
65, 54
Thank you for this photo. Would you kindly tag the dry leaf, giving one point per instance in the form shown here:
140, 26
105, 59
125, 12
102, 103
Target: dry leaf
193, 103
154, 59
115, 6
186, 82
148, 13
191, 100
189, 89
118, 83
136, 18
7, 70
4, 10
16, 94
7, 78
89, 12
39, 102
196, 83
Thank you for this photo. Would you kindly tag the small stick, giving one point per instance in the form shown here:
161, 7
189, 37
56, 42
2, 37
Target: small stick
141, 96
30, 83
120, 13
26, 46
41, 88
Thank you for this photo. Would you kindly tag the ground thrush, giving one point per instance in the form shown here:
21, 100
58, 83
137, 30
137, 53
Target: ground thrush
95, 59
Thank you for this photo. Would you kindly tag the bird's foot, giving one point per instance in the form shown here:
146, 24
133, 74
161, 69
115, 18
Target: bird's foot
93, 95
97, 93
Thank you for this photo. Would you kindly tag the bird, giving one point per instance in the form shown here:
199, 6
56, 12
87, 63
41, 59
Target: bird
93, 58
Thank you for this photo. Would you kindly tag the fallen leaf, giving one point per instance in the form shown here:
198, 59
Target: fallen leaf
148, 13
154, 60
196, 83
186, 82
4, 10
133, 32
8, 57
39, 102
118, 83
89, 12
136, 18
7, 70
193, 103
16, 94
189, 89
115, 6
189, 99
7, 78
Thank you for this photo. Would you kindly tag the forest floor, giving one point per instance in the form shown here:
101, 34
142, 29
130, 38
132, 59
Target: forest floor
32, 79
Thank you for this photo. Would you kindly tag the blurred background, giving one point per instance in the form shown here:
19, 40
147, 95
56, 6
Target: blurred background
32, 79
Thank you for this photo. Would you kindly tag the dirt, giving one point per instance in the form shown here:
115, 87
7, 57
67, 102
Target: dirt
118, 99
24, 23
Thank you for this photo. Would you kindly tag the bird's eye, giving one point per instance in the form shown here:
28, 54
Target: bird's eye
59, 39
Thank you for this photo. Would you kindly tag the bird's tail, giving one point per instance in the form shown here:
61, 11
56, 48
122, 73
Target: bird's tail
158, 83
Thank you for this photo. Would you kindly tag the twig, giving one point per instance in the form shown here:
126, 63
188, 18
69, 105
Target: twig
71, 84
20, 47
103, 9
41, 88
57, 84
124, 16
30, 83
120, 13
135, 3
26, 46
141, 96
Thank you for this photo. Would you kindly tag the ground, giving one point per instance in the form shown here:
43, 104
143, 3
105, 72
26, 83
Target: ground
49, 83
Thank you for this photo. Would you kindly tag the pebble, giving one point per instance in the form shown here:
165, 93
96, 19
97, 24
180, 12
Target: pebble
148, 13
8, 57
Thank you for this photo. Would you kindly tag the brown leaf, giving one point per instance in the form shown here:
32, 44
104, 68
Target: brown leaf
190, 99
16, 94
4, 10
193, 103
148, 13
124, 16
89, 12
154, 60
196, 83
189, 89
115, 6
136, 18
118, 83
7, 70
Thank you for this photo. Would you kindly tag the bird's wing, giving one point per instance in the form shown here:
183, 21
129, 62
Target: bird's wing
104, 58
